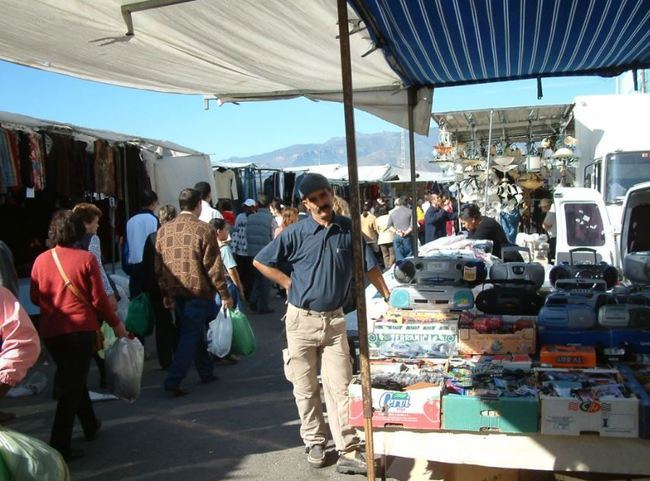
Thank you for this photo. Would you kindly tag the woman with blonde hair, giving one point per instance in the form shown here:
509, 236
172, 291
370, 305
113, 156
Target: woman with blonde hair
341, 206
289, 216
165, 331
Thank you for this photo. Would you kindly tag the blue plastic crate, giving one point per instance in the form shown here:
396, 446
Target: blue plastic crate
599, 338
636, 340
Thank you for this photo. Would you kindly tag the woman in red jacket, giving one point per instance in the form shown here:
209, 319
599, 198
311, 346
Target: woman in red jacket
67, 286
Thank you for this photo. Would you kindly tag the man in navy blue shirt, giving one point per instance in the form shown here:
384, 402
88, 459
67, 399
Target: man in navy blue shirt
319, 251
435, 219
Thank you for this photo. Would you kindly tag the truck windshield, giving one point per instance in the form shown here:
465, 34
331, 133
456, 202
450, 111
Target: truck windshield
623, 171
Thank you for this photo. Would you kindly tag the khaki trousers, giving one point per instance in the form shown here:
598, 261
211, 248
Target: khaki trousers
313, 338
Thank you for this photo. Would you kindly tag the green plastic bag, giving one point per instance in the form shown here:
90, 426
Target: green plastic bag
28, 458
243, 339
139, 319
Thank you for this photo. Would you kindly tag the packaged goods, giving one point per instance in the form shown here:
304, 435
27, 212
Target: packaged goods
568, 356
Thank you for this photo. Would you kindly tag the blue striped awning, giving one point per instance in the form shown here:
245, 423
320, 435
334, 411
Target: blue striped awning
455, 42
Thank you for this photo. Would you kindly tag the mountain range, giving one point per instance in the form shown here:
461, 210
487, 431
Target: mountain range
372, 149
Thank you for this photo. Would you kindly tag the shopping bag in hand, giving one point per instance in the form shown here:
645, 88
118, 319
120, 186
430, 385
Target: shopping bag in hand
243, 339
124, 363
139, 319
220, 334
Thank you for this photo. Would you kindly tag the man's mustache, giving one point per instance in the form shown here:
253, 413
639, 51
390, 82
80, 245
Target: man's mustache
323, 207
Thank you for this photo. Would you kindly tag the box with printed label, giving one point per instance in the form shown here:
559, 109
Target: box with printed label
644, 399
412, 340
575, 414
417, 407
499, 415
471, 341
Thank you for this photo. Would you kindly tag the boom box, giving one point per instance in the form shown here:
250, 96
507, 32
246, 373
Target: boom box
636, 267
532, 272
432, 298
567, 316
597, 270
440, 271
507, 300
624, 315
589, 293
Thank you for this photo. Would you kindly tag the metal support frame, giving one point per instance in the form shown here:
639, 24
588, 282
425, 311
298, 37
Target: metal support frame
413, 100
130, 8
357, 239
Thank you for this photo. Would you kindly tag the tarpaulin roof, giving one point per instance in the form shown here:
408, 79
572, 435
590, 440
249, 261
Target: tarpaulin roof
456, 42
371, 173
235, 50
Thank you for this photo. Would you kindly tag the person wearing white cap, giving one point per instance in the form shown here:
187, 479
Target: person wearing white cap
239, 245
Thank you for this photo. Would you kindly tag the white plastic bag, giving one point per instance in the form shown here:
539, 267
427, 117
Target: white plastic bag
28, 458
220, 334
124, 364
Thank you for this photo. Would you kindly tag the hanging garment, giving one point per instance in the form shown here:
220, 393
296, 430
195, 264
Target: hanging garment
279, 192
224, 181
289, 183
7, 172
510, 224
61, 154
268, 187
14, 155
37, 159
25, 162
89, 171
77, 165
104, 168
118, 155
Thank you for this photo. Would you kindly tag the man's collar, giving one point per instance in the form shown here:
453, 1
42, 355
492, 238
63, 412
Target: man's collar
314, 226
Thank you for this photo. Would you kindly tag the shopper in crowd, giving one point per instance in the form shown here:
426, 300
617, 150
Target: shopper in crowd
276, 209
319, 250
166, 332
400, 222
420, 219
259, 232
385, 238
20, 345
207, 211
448, 206
66, 284
239, 245
479, 227
289, 216
138, 229
227, 213
435, 220
425, 202
90, 215
190, 272
8, 275
369, 228
235, 286
548, 209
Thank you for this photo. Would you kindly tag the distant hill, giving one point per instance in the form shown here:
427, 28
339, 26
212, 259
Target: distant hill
372, 149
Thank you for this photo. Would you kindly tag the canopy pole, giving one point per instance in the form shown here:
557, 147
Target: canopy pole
487, 170
357, 239
412, 99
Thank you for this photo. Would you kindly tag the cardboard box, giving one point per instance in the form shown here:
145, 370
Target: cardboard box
471, 341
500, 415
644, 399
568, 356
415, 408
569, 416
414, 340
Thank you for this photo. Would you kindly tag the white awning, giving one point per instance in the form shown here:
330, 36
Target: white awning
233, 50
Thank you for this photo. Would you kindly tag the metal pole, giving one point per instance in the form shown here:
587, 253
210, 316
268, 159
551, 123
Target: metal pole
412, 96
357, 239
487, 170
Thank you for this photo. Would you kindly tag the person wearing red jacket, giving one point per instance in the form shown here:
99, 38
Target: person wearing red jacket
69, 324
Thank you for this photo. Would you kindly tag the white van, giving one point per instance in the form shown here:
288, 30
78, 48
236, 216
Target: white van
582, 221
635, 226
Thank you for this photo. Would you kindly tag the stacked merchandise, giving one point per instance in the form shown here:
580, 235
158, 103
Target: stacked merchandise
637, 378
591, 400
422, 325
491, 394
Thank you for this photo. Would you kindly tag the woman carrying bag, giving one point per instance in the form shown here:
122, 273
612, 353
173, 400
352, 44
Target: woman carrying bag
67, 286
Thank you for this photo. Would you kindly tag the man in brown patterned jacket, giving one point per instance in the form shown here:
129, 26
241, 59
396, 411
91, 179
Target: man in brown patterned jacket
190, 272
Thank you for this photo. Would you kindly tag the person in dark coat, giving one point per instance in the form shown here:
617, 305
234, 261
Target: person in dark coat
435, 219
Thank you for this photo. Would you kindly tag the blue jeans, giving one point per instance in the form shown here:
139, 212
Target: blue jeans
261, 294
403, 247
193, 316
234, 293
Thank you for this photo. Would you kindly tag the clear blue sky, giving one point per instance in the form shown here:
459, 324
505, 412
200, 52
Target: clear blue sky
245, 129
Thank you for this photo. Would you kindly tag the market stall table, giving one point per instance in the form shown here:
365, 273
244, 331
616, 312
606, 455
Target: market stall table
586, 453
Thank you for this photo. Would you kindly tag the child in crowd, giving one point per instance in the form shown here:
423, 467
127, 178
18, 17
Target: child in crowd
235, 286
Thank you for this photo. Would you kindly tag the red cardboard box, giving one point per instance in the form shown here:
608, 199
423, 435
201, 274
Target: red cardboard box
418, 407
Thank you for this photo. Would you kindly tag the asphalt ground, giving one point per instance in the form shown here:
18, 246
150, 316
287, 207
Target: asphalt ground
242, 427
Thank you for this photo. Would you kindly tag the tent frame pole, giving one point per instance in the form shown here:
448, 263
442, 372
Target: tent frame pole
412, 100
487, 169
357, 239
